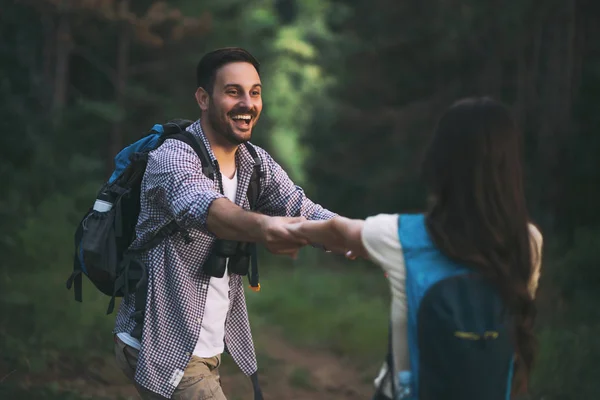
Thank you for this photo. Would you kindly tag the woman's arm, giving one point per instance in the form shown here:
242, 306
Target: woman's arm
340, 235
537, 242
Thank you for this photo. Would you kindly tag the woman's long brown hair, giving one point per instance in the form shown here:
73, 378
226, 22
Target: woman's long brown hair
478, 213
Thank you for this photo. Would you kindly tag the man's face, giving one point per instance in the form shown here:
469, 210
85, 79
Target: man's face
236, 102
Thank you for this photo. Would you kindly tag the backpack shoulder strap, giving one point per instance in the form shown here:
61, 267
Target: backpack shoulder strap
175, 126
253, 195
208, 168
187, 137
257, 173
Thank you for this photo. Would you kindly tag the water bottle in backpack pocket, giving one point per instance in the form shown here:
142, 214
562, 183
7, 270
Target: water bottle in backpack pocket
404, 381
98, 245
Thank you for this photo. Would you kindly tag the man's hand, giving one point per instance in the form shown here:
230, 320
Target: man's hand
228, 221
278, 239
339, 235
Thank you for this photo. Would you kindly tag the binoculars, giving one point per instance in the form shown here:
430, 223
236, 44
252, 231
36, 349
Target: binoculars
238, 254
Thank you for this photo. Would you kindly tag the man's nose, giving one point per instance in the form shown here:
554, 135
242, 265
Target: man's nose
246, 101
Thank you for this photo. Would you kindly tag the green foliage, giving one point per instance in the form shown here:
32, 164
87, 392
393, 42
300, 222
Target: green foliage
342, 311
569, 350
300, 378
352, 89
578, 274
52, 392
41, 323
107, 111
293, 80
39, 319
568, 363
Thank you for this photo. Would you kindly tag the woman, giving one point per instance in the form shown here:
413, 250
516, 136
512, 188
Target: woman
477, 218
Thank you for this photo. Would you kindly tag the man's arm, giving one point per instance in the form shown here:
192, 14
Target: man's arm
340, 235
229, 221
174, 181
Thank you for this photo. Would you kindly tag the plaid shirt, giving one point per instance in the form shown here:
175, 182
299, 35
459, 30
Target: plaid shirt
174, 187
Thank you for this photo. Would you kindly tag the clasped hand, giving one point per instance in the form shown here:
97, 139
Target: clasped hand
287, 235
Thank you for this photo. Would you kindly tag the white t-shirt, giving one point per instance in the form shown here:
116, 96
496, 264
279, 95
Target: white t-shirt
212, 332
380, 238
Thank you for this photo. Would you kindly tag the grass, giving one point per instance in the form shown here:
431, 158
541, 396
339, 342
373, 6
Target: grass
41, 322
300, 378
50, 392
319, 302
343, 309
568, 363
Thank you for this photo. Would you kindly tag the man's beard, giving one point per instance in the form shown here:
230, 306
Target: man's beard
223, 128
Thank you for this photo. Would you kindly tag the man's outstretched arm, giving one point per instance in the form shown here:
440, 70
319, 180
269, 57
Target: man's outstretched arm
340, 235
228, 221
174, 181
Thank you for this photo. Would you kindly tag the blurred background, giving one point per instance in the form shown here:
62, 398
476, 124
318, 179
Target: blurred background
352, 90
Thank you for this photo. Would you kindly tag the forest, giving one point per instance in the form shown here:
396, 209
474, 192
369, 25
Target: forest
352, 91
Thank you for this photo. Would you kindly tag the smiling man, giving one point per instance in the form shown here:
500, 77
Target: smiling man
191, 315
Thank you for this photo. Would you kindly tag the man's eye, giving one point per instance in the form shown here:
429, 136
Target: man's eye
232, 92
256, 93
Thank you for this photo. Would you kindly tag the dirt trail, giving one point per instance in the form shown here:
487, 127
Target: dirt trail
297, 374
286, 373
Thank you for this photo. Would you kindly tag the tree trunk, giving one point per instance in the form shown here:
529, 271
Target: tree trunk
535, 60
522, 76
556, 112
46, 85
123, 49
64, 46
568, 130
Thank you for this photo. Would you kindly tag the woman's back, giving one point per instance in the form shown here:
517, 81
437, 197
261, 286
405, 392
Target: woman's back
401, 246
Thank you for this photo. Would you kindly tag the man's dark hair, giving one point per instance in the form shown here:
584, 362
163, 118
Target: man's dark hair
208, 66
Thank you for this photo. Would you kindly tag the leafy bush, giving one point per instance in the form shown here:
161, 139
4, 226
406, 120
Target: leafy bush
568, 366
344, 311
40, 321
51, 392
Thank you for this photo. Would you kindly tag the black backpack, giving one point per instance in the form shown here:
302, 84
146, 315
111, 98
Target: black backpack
104, 236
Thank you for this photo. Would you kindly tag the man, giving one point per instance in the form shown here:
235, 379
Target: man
191, 317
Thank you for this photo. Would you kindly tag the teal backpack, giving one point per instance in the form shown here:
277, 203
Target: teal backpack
460, 346
103, 238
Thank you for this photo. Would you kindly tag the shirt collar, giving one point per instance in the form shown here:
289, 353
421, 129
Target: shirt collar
242, 156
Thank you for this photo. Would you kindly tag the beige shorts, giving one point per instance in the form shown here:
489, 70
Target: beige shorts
200, 379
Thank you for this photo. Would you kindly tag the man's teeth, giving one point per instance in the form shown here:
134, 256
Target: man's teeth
246, 117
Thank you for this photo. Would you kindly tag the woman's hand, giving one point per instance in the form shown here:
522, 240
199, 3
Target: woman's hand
339, 235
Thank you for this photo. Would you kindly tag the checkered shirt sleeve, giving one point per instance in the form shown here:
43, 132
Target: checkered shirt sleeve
175, 182
281, 197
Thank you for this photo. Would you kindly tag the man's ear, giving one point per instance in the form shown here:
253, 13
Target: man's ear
202, 98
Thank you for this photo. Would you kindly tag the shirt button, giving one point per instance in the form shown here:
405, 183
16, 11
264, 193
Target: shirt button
205, 286
199, 320
187, 353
